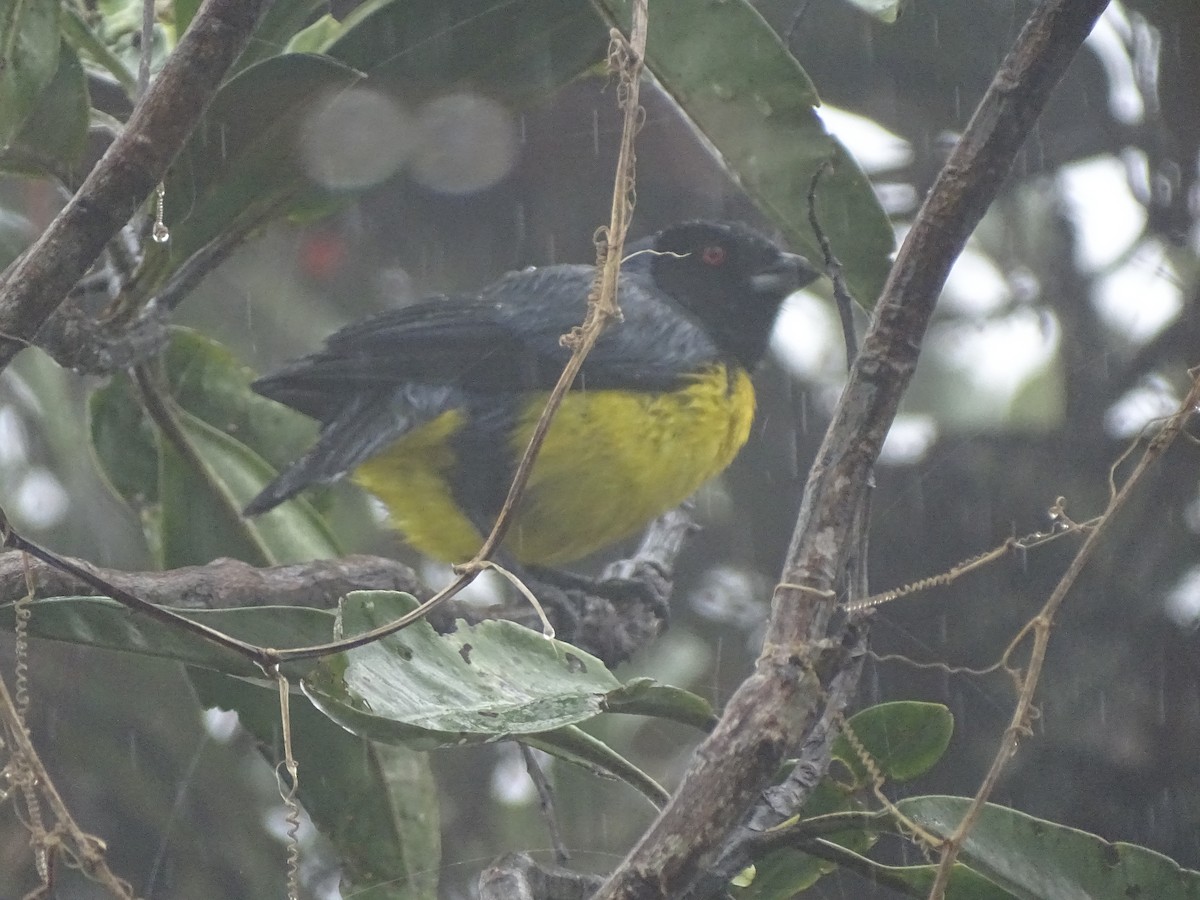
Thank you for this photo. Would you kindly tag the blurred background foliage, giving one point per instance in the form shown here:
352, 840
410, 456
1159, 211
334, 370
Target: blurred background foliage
1064, 329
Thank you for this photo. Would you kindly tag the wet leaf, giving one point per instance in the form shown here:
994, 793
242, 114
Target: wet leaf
377, 803
646, 697
191, 502
241, 168
520, 49
202, 496
733, 76
51, 139
1033, 858
475, 685
904, 739
29, 48
574, 745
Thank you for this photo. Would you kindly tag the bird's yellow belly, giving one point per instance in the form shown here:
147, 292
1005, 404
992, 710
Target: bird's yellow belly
612, 460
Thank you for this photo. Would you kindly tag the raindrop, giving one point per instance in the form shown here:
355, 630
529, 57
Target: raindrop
160, 232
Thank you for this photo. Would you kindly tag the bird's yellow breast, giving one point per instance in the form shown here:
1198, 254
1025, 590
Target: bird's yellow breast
611, 461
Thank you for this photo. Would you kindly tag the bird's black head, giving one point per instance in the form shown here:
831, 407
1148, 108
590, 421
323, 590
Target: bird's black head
730, 278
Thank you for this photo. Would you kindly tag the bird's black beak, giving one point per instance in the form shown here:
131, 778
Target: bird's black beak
788, 273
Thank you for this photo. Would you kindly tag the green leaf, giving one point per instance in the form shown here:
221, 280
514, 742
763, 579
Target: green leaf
108, 625
87, 43
241, 168
478, 684
319, 35
1033, 858
574, 745
904, 739
202, 499
51, 139
124, 443
785, 872
735, 79
192, 514
646, 697
206, 379
915, 881
279, 25
29, 47
886, 11
519, 49
376, 803
185, 11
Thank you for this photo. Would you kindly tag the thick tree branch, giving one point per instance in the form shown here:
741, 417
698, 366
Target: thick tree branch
221, 584
779, 704
611, 617
137, 160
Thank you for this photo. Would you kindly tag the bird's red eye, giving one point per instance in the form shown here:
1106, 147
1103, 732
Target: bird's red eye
714, 255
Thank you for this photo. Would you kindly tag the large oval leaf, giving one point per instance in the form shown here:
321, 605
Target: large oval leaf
29, 46
51, 139
241, 167
376, 803
903, 739
733, 76
519, 49
475, 685
1033, 858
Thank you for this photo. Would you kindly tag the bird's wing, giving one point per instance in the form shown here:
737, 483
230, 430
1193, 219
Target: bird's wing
377, 379
507, 339
366, 423
654, 344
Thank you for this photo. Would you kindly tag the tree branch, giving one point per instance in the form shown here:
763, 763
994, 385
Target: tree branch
611, 617
221, 584
137, 160
779, 704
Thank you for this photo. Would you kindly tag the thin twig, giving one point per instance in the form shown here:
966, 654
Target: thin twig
546, 802
833, 268
85, 850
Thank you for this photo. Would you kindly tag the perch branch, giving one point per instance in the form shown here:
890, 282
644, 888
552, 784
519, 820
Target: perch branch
611, 628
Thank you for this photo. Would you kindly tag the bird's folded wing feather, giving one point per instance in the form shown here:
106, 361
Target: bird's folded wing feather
507, 339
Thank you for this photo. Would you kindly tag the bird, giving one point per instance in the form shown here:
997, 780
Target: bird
430, 406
